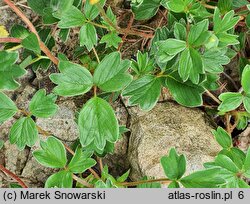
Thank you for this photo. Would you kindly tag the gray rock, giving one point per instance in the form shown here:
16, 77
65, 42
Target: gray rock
169, 125
15, 160
244, 140
25, 97
62, 124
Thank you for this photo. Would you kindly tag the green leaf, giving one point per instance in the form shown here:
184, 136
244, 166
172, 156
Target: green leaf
209, 178
7, 108
246, 102
177, 6
92, 11
227, 39
111, 39
144, 65
145, 9
88, 36
112, 18
227, 163
52, 154
73, 80
174, 184
43, 106
190, 65
31, 43
160, 34
19, 31
60, 6
62, 179
243, 122
186, 94
111, 74
144, 91
38, 5
213, 59
73, 17
245, 79
124, 177
247, 162
226, 23
172, 46
97, 123
80, 162
23, 132
223, 138
180, 31
199, 34
173, 165
9, 71
230, 101
236, 155
239, 3
225, 5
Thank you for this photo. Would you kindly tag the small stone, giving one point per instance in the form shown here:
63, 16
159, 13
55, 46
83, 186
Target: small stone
169, 125
244, 140
63, 124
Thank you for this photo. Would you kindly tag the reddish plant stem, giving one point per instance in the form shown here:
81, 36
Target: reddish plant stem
13, 176
33, 30
10, 40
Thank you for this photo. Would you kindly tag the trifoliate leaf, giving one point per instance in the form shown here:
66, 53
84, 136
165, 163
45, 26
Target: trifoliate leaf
23, 132
62, 179
144, 91
111, 74
9, 71
7, 108
73, 80
80, 162
43, 106
199, 34
173, 165
73, 17
230, 101
52, 154
226, 23
111, 39
143, 64
97, 123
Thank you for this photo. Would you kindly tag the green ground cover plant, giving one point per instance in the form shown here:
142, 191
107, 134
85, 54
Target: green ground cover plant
186, 56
